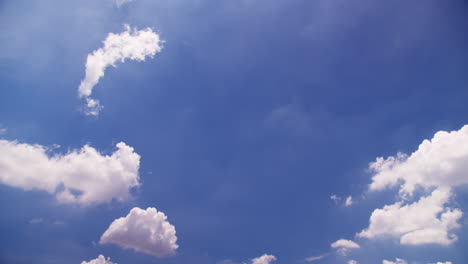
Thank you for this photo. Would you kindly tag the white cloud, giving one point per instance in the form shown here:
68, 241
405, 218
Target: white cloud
352, 262
3, 130
130, 44
447, 262
99, 260
344, 245
349, 201
119, 3
311, 259
437, 165
422, 222
335, 198
397, 261
146, 231
265, 259
82, 176
441, 161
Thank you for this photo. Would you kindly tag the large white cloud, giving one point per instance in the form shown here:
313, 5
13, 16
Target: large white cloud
441, 161
435, 168
146, 231
264, 259
99, 260
130, 44
82, 176
422, 222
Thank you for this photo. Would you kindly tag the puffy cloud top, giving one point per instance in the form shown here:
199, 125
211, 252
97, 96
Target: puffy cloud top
82, 176
441, 161
99, 260
344, 243
129, 44
264, 259
146, 231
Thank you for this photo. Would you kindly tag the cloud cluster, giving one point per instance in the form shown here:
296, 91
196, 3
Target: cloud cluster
99, 260
435, 168
146, 231
439, 162
130, 44
423, 222
264, 259
82, 176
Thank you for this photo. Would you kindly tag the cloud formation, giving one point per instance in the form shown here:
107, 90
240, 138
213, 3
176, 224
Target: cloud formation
264, 259
146, 231
423, 222
439, 162
130, 44
99, 260
349, 201
435, 168
344, 245
82, 176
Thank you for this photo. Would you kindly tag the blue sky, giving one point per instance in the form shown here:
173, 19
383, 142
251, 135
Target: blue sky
249, 118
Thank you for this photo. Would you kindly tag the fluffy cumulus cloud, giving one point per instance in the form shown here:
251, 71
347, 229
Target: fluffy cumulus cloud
397, 261
441, 161
146, 231
425, 221
130, 44
83, 176
265, 259
435, 168
99, 260
344, 245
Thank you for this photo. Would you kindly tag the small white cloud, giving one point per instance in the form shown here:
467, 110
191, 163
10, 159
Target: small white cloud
397, 261
119, 3
36, 221
3, 130
146, 231
99, 260
352, 262
344, 245
335, 198
447, 262
349, 201
130, 44
311, 259
265, 259
82, 176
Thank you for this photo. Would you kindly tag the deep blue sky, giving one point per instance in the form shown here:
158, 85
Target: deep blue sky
254, 113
